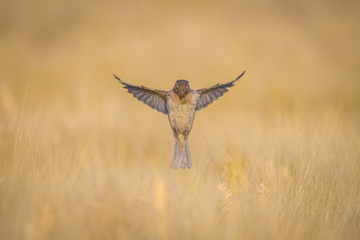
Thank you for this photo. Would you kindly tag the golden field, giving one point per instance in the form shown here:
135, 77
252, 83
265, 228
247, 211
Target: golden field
277, 157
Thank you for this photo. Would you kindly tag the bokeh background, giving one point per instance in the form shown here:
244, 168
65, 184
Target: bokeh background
277, 157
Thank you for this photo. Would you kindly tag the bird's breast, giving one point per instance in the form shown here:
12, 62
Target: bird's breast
181, 112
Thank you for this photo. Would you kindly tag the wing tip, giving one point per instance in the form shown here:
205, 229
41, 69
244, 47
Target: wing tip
232, 82
120, 81
240, 76
117, 78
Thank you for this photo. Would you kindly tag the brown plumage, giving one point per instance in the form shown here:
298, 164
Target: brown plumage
180, 104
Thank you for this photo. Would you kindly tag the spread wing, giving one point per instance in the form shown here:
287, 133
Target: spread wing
152, 97
210, 94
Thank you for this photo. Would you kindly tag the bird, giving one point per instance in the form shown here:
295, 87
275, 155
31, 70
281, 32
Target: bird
180, 104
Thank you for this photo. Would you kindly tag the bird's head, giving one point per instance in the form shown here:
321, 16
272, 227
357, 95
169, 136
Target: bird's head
181, 88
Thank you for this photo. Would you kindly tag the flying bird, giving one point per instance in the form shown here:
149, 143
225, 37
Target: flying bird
180, 104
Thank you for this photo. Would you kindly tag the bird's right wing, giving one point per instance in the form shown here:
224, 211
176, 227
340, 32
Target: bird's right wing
210, 94
152, 97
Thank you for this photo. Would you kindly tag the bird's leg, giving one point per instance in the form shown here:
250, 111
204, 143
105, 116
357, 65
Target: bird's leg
176, 130
186, 132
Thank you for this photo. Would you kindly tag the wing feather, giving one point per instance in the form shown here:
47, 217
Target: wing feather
210, 94
151, 97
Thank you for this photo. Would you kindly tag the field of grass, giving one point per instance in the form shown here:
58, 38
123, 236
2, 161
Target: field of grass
277, 157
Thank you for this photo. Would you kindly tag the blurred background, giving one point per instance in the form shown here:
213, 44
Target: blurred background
277, 157
303, 52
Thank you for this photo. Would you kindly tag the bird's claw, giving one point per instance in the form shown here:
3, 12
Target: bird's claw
176, 130
186, 132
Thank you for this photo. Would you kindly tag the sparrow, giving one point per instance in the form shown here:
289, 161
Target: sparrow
180, 104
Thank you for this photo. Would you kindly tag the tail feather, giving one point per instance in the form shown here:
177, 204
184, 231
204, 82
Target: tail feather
181, 158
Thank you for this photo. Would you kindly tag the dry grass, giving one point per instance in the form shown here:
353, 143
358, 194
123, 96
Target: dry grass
278, 157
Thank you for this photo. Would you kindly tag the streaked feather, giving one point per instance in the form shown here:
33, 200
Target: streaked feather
210, 94
151, 97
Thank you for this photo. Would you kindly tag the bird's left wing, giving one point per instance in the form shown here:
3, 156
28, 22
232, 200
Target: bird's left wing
152, 97
210, 94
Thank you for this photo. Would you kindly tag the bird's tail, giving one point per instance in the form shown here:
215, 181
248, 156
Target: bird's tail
181, 158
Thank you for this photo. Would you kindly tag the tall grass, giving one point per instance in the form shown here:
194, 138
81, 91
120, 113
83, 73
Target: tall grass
277, 157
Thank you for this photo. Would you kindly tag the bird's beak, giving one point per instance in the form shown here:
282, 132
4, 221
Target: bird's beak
182, 93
